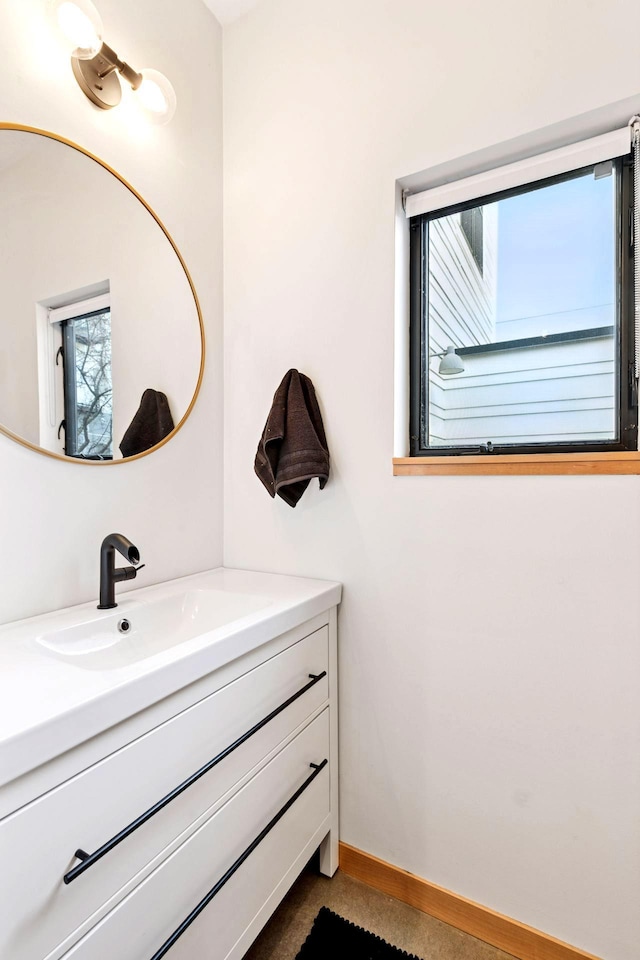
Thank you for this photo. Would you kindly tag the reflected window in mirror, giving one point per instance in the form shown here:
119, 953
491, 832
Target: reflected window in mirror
87, 387
75, 373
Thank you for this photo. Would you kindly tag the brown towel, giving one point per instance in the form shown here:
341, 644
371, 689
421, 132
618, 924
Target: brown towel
151, 424
293, 447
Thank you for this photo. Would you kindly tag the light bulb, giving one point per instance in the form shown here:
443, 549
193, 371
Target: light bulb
156, 96
79, 23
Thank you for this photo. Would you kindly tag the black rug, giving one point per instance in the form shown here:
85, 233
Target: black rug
332, 936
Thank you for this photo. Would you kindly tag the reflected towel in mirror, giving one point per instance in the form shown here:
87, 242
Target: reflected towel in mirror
151, 424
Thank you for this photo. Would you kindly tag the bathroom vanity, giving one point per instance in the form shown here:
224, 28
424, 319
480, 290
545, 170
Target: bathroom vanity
161, 788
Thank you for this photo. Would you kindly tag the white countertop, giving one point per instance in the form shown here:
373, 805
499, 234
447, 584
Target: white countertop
49, 704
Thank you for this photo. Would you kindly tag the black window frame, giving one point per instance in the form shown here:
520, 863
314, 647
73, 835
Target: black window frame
627, 398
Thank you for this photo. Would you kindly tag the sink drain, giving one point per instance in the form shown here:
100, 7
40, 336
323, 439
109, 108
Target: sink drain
124, 626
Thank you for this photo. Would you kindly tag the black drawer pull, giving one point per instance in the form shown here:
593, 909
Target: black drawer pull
206, 900
88, 859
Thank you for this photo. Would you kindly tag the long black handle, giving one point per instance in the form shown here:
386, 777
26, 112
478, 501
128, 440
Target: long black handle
88, 859
206, 900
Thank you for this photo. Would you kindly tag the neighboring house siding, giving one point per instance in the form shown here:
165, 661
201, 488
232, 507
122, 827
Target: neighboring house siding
461, 299
556, 392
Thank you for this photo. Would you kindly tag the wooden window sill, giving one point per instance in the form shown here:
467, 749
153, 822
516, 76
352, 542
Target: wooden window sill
627, 462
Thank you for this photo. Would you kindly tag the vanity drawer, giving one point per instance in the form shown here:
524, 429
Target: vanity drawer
142, 923
93, 807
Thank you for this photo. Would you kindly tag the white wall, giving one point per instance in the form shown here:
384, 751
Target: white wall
489, 632
53, 515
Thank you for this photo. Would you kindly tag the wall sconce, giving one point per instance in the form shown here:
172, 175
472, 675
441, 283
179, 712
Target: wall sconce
96, 66
450, 363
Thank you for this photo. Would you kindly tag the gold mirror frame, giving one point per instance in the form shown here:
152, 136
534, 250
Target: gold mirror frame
21, 128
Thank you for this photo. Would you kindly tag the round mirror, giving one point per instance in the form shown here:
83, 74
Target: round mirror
102, 337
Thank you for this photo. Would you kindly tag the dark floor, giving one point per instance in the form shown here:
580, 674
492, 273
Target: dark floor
403, 926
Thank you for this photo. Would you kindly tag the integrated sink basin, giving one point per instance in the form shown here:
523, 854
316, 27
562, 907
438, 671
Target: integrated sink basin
137, 629
71, 674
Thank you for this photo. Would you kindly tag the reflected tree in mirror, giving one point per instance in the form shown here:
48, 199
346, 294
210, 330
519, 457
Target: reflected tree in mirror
88, 393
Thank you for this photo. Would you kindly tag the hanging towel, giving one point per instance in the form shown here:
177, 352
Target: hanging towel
151, 424
293, 447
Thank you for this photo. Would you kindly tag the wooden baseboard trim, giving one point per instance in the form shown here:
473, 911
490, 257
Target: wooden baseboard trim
509, 935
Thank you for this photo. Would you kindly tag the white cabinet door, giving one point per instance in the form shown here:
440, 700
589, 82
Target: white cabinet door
38, 911
139, 926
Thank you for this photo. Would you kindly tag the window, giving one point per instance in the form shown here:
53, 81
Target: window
86, 349
522, 336
75, 382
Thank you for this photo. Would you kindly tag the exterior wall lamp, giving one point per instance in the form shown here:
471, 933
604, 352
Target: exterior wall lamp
96, 66
450, 362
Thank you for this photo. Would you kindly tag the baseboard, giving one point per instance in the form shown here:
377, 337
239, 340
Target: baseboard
509, 935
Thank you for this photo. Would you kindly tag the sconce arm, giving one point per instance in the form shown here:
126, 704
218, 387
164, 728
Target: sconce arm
113, 61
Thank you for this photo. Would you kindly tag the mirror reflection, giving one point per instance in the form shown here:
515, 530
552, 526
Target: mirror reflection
102, 335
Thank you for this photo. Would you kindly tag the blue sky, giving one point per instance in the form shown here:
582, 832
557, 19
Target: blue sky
556, 249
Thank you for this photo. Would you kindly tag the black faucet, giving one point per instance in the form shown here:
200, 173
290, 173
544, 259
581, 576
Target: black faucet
109, 575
